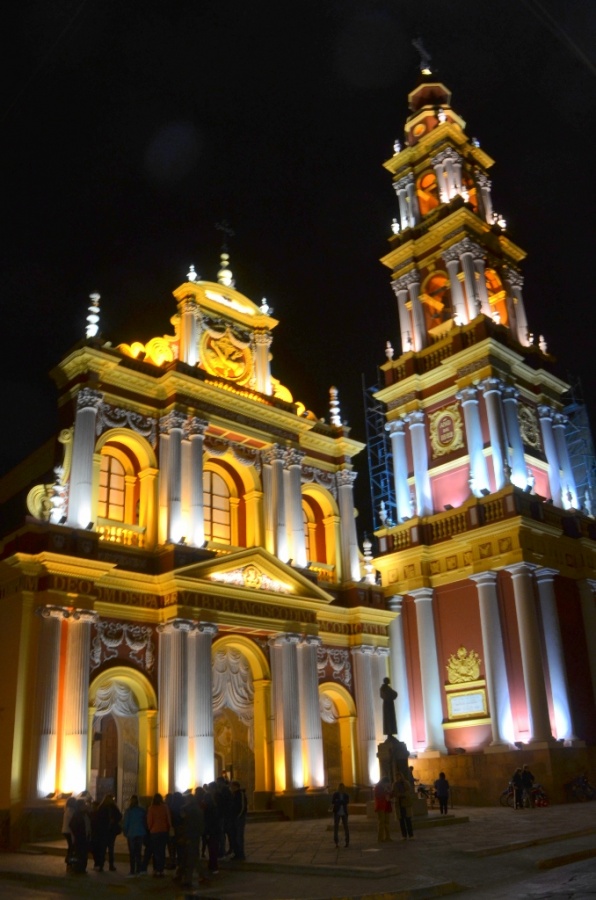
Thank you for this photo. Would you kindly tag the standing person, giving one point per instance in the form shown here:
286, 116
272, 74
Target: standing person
339, 804
403, 794
159, 824
382, 794
69, 810
107, 826
527, 784
212, 828
442, 793
192, 828
239, 813
80, 826
518, 789
135, 829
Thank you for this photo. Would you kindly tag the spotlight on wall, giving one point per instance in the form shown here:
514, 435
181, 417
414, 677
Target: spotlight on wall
62, 520
448, 506
89, 527
485, 492
182, 540
528, 489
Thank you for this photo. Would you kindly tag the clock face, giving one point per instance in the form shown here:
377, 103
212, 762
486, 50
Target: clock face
224, 357
419, 129
528, 426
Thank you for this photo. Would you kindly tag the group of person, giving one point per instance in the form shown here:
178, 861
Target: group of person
389, 796
174, 832
523, 782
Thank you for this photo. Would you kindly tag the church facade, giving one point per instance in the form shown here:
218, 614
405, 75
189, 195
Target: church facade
486, 551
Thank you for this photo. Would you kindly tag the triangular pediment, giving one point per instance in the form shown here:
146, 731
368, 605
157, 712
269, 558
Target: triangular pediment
255, 570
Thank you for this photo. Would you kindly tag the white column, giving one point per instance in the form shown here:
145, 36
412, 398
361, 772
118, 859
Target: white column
554, 653
479, 265
400, 288
174, 424
287, 743
312, 732
418, 321
173, 703
424, 504
486, 204
297, 542
200, 702
262, 342
442, 185
400, 190
545, 414
491, 387
366, 698
519, 472
275, 511
80, 508
429, 671
413, 210
516, 308
529, 639
587, 595
399, 671
397, 431
458, 301
570, 500
75, 717
467, 250
195, 431
48, 674
468, 397
345, 479
495, 667
188, 311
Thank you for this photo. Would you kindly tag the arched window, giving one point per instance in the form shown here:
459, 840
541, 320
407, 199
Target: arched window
497, 297
112, 489
428, 194
216, 500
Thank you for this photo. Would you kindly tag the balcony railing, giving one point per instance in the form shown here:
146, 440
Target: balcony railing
121, 533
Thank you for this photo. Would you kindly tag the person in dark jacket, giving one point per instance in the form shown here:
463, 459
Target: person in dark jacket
518, 789
106, 827
339, 806
192, 829
442, 793
239, 813
135, 830
80, 826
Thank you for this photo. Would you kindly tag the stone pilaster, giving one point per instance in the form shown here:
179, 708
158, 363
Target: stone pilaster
200, 702
80, 502
287, 740
275, 507
554, 653
468, 397
429, 671
76, 701
366, 698
399, 672
312, 733
295, 516
416, 421
403, 504
46, 696
345, 479
491, 387
545, 414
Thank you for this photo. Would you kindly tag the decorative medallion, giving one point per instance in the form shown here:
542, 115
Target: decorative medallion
463, 666
529, 428
222, 355
446, 430
252, 577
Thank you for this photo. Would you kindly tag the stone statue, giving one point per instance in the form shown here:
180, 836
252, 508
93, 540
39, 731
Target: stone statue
388, 696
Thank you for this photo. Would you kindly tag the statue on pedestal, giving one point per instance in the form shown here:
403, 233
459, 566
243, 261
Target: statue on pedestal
392, 754
388, 696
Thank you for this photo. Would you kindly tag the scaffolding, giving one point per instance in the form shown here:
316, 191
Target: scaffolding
581, 446
380, 461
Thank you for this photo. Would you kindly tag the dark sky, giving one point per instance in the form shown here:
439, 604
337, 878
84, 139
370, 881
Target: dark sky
131, 129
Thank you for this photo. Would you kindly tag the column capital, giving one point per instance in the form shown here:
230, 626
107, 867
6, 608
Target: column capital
403, 283
559, 419
363, 650
395, 603
345, 477
484, 578
544, 574
483, 181
312, 640
272, 454
466, 246
420, 594
490, 385
84, 615
294, 458
52, 612
174, 420
89, 399
396, 426
283, 639
545, 411
467, 395
173, 625
510, 392
382, 651
447, 153
403, 183
515, 279
207, 628
520, 569
416, 417
262, 337
195, 427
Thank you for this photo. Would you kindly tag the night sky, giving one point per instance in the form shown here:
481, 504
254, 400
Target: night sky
132, 129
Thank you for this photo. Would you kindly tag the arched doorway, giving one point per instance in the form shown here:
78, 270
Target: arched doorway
338, 715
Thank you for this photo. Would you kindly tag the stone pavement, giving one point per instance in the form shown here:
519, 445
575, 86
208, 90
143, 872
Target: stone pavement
491, 853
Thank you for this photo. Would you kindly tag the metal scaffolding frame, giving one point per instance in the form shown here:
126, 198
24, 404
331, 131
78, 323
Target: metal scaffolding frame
581, 446
380, 459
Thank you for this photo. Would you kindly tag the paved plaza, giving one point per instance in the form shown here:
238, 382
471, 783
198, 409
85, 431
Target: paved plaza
486, 853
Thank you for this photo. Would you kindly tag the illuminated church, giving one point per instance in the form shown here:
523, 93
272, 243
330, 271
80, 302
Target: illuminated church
182, 590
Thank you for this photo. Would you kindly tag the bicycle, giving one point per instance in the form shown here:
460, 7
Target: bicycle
581, 789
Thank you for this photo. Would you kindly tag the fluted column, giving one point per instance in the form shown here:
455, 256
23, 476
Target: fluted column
195, 431
366, 698
345, 479
554, 653
429, 670
46, 697
312, 732
400, 288
515, 307
529, 639
297, 542
418, 322
399, 671
200, 702
402, 199
287, 741
468, 397
275, 509
569, 493
76, 701
587, 595
189, 311
468, 250
173, 705
413, 210
173, 425
262, 342
80, 502
424, 504
403, 504
441, 176
545, 414
519, 472
486, 204
458, 300
495, 667
479, 267
491, 387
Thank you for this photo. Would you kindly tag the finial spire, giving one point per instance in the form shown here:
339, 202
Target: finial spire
425, 56
334, 413
93, 317
225, 276
191, 274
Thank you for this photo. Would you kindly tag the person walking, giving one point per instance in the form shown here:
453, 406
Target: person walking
159, 824
442, 793
382, 795
403, 795
135, 829
339, 805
